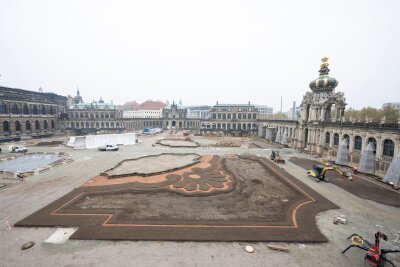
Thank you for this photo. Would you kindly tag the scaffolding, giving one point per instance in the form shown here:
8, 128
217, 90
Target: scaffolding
393, 172
342, 157
367, 160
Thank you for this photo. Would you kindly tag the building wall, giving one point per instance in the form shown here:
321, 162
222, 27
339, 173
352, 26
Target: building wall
27, 113
232, 118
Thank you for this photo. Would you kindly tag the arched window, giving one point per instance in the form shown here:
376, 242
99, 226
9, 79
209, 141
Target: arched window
86, 115
87, 124
97, 115
107, 115
52, 110
37, 125
249, 126
224, 116
35, 110
82, 124
43, 110
219, 116
234, 116
72, 125
244, 124
45, 124
52, 124
336, 139
102, 124
239, 126
107, 125
17, 126
97, 125
357, 143
229, 116
388, 148
327, 138
81, 115
112, 125
254, 116
102, 115
244, 116
218, 125
28, 125
3, 108
14, 109
6, 126
25, 109
239, 116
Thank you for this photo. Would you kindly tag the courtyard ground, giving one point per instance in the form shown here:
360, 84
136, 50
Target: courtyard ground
20, 199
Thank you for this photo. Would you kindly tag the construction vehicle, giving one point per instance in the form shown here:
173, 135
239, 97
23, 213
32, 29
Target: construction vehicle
275, 157
375, 255
319, 171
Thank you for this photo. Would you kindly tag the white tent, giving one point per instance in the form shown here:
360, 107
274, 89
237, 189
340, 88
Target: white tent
95, 141
393, 172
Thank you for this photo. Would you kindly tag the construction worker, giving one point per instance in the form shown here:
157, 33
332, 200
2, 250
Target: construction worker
355, 169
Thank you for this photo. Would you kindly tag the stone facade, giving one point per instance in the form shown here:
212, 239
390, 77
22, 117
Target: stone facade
232, 118
95, 117
29, 114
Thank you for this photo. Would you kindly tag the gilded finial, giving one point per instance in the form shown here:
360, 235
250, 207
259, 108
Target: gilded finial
324, 63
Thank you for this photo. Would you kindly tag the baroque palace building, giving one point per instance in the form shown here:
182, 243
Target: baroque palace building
26, 113
95, 117
321, 127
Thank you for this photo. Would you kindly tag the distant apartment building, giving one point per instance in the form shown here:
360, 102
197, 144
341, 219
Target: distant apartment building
395, 105
198, 112
264, 110
146, 110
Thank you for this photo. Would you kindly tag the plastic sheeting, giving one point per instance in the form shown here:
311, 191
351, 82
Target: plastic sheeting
342, 157
95, 141
367, 160
270, 134
284, 138
278, 137
393, 173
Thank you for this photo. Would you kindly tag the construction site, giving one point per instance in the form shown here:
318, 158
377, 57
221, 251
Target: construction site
254, 200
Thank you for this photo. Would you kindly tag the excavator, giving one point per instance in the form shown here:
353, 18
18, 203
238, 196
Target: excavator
319, 171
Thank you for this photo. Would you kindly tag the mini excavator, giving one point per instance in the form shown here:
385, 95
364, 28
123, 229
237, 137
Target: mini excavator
319, 171
275, 157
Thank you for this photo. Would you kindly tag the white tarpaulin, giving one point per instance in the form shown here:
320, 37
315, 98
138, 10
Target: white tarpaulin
95, 141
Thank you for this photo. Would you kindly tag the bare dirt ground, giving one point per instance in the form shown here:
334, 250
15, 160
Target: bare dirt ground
21, 199
259, 196
152, 164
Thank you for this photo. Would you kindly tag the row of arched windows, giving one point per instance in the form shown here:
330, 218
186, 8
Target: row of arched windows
234, 116
28, 127
92, 115
96, 125
388, 145
26, 109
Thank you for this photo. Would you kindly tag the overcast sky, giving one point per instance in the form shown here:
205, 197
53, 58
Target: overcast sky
201, 51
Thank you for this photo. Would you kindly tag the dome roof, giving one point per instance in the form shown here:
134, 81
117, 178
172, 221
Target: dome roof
324, 83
